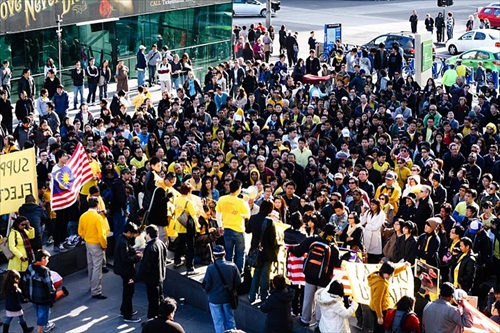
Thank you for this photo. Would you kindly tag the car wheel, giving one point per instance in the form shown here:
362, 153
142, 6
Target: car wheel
452, 49
263, 13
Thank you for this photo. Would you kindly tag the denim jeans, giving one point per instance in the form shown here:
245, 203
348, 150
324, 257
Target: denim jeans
78, 90
222, 316
72, 228
176, 83
235, 246
91, 95
152, 76
260, 279
141, 73
118, 223
103, 91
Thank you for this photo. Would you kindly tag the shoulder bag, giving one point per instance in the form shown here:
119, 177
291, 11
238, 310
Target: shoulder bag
4, 246
184, 218
233, 294
253, 257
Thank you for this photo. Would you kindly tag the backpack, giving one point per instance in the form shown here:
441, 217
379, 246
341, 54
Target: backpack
318, 260
4, 246
398, 321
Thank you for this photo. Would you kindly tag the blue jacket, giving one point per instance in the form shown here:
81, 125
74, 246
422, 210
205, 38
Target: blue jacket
141, 60
213, 285
61, 103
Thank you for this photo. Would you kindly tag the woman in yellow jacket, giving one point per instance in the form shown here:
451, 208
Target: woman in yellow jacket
20, 246
186, 236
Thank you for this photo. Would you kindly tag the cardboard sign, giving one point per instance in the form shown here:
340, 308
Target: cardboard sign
429, 275
357, 273
17, 179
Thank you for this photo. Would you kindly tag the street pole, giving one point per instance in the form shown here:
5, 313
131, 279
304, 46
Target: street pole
268, 13
59, 41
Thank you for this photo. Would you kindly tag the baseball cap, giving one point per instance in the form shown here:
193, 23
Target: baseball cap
219, 250
338, 175
345, 132
475, 226
261, 158
389, 175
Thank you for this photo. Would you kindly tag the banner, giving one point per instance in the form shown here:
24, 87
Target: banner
429, 275
399, 285
67, 181
481, 323
17, 179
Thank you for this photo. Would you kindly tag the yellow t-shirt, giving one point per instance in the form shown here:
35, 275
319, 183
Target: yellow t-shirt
381, 168
180, 203
233, 210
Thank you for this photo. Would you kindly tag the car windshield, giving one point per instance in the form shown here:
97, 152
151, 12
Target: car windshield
497, 55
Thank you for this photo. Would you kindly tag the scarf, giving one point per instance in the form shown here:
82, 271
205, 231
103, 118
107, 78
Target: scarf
351, 229
27, 245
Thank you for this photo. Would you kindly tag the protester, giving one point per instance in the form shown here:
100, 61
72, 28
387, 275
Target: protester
153, 269
334, 314
164, 322
41, 290
13, 294
20, 244
221, 278
277, 306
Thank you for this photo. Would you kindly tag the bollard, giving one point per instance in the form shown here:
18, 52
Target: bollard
494, 78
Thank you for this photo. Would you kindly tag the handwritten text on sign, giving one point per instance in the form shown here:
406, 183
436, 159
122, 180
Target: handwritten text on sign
399, 285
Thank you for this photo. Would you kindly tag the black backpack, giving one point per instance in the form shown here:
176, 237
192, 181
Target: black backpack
318, 260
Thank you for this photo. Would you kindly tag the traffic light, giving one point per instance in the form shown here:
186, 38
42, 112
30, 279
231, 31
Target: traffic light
444, 3
441, 3
449, 3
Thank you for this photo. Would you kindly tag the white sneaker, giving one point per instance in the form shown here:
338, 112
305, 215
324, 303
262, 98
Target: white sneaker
49, 327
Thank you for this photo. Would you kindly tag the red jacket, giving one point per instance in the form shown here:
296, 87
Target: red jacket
411, 324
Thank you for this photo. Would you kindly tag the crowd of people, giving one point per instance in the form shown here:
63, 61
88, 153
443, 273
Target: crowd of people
365, 158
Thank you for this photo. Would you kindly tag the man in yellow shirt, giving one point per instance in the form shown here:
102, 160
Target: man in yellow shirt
93, 230
231, 212
392, 189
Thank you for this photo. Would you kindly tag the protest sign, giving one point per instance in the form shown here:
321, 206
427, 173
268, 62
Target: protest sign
17, 179
429, 275
357, 273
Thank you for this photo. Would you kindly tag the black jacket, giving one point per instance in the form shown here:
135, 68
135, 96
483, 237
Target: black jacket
119, 196
125, 258
438, 198
153, 269
466, 272
269, 243
431, 254
335, 261
425, 210
277, 306
36, 215
405, 249
158, 212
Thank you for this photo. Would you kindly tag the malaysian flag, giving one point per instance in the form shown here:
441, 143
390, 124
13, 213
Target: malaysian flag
67, 181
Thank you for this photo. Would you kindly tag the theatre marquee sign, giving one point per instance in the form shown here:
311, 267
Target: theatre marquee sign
22, 15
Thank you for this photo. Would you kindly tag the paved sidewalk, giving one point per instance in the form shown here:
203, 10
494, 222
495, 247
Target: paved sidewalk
80, 313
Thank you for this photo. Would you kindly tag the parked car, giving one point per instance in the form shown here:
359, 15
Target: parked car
253, 7
489, 56
474, 39
492, 13
405, 40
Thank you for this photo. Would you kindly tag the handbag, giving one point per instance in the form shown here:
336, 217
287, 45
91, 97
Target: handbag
183, 218
4, 246
102, 80
233, 293
253, 257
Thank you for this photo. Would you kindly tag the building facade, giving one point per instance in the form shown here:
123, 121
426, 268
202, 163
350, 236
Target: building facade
112, 30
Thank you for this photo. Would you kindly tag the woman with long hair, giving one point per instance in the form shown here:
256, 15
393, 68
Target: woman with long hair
395, 232
263, 237
352, 235
152, 145
186, 233
280, 211
20, 244
13, 295
372, 220
407, 244
387, 208
104, 77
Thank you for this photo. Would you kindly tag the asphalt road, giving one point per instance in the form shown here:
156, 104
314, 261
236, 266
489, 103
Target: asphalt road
361, 20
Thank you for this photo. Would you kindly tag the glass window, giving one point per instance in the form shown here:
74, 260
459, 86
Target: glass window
482, 55
467, 36
469, 55
479, 36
